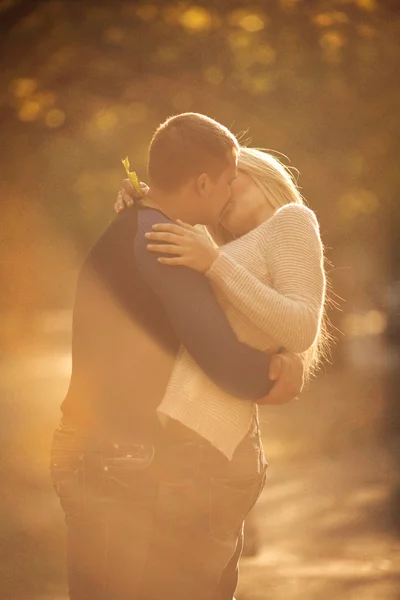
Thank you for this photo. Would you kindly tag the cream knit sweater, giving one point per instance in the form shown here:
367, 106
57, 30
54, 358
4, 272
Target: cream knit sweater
271, 284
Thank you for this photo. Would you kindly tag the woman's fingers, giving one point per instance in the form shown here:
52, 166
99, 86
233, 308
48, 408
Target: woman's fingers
167, 249
123, 200
170, 228
126, 199
119, 205
164, 236
179, 260
126, 186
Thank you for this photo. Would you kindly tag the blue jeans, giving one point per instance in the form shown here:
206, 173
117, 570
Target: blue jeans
152, 524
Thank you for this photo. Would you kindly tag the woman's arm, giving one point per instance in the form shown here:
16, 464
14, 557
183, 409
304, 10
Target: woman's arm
290, 311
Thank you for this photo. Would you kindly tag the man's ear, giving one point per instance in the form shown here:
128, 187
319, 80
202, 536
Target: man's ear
203, 184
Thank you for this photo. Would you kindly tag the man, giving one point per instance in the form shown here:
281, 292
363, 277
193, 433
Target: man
131, 314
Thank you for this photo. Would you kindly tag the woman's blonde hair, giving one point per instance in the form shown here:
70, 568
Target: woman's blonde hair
279, 187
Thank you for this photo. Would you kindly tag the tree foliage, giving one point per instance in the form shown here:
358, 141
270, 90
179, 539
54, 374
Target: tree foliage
86, 83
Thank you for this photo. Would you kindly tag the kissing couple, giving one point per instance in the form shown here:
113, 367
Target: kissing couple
179, 333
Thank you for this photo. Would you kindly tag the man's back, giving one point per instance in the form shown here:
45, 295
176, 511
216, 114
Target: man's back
123, 345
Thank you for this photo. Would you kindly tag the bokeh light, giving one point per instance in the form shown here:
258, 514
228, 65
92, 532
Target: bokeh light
182, 101
330, 18
29, 111
55, 118
264, 54
23, 87
252, 23
114, 35
368, 5
137, 112
196, 18
373, 322
356, 202
147, 12
214, 75
106, 120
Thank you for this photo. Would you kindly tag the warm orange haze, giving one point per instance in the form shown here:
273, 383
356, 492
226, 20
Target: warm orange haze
85, 84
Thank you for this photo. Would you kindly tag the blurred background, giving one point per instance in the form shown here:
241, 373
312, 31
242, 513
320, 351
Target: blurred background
82, 85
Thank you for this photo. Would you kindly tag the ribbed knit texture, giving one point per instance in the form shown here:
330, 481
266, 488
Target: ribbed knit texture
271, 284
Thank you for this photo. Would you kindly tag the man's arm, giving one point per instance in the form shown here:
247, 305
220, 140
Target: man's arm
199, 321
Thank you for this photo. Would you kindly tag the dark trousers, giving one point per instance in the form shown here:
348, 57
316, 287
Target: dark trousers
154, 525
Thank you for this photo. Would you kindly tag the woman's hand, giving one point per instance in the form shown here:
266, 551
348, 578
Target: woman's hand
127, 195
193, 249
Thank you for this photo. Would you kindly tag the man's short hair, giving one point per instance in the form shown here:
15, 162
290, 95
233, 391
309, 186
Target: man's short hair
186, 145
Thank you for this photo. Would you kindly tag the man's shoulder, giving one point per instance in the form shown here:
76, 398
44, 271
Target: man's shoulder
149, 216
115, 236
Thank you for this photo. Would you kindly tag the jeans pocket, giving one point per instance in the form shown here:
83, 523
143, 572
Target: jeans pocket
67, 472
127, 486
230, 501
68, 485
128, 473
179, 507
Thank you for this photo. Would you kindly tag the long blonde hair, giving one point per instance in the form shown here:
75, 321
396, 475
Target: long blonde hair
279, 187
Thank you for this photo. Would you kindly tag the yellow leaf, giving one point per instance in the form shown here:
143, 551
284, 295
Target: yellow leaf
126, 164
133, 178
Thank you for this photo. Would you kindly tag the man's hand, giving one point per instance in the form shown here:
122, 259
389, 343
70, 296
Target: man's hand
287, 370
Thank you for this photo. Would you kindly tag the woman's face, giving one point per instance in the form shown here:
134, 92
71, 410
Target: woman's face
247, 207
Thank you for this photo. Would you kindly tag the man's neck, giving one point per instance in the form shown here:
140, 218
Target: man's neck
165, 202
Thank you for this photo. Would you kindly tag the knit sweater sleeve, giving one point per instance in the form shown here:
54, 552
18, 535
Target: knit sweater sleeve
289, 311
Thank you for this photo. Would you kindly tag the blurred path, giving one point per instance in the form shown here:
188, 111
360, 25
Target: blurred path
325, 532
327, 512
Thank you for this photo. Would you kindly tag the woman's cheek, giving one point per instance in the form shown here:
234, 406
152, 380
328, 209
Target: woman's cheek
229, 218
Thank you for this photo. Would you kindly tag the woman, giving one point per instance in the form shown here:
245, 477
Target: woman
269, 278
268, 275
